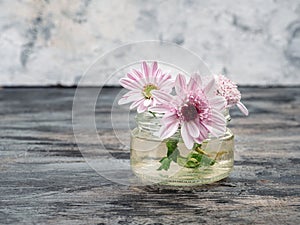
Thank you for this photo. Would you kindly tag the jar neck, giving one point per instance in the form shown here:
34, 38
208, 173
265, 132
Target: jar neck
148, 122
227, 115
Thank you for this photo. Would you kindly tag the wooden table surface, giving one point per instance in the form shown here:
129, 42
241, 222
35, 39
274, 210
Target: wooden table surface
44, 179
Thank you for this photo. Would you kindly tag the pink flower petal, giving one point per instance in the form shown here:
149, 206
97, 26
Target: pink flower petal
195, 82
161, 79
136, 103
154, 102
170, 118
218, 102
134, 77
152, 73
146, 71
162, 97
192, 128
154, 68
129, 84
210, 88
141, 108
147, 102
203, 134
138, 73
160, 109
180, 84
218, 118
164, 78
130, 97
158, 76
168, 130
129, 93
123, 100
167, 85
186, 137
243, 108
216, 130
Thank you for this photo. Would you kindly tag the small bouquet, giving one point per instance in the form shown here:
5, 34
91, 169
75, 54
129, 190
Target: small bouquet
195, 108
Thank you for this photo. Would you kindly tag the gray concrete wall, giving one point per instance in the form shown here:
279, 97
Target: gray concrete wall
53, 42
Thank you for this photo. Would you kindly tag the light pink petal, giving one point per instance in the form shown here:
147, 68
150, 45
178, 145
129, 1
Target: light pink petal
152, 73
129, 93
154, 68
134, 82
130, 97
192, 129
195, 82
124, 100
218, 102
167, 85
141, 108
138, 73
147, 102
162, 97
166, 81
168, 130
136, 103
164, 78
170, 118
203, 134
178, 101
167, 89
186, 137
218, 125
218, 119
154, 101
146, 71
160, 109
157, 77
243, 108
134, 77
210, 87
129, 84
180, 84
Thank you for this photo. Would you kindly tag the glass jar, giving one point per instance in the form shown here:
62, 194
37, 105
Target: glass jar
210, 161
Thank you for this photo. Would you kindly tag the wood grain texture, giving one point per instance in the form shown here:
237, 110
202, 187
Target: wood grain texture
45, 180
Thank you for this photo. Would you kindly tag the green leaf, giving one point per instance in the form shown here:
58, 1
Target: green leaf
181, 161
172, 146
192, 164
196, 145
165, 163
172, 154
196, 158
173, 151
207, 161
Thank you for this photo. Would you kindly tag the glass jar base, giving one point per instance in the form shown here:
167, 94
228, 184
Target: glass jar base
170, 162
183, 176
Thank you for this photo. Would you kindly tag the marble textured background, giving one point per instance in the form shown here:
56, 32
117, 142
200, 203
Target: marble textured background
52, 42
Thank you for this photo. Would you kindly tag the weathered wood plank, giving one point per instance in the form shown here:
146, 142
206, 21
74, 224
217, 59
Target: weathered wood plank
45, 180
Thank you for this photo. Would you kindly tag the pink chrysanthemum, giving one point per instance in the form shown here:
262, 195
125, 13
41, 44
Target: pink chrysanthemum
141, 84
196, 110
229, 90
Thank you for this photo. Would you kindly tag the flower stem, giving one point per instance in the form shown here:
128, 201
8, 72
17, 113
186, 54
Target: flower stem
154, 115
196, 158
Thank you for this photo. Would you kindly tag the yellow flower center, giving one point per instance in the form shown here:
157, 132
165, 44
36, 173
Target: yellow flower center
147, 90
